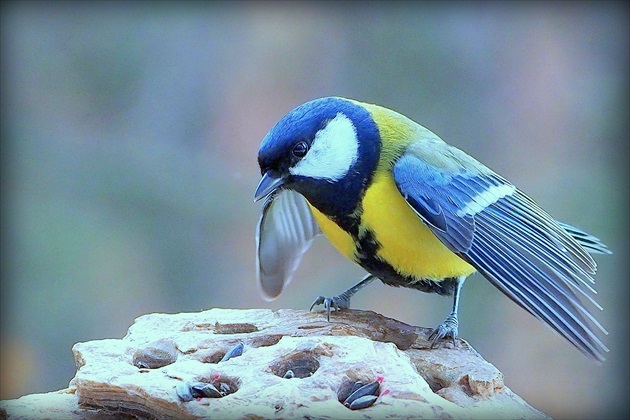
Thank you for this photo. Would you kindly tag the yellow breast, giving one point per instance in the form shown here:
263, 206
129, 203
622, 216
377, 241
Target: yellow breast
405, 242
337, 236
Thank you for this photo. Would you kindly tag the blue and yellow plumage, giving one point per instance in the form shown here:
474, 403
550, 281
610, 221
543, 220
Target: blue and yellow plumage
414, 212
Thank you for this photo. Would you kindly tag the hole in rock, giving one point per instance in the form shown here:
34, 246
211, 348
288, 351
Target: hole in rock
358, 393
159, 354
266, 340
226, 385
296, 365
435, 384
216, 357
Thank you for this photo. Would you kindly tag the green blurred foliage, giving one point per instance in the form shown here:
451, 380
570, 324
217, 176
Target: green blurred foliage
129, 141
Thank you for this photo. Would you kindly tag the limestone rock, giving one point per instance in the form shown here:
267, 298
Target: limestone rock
140, 375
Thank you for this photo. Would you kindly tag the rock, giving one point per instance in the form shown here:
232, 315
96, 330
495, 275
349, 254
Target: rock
284, 364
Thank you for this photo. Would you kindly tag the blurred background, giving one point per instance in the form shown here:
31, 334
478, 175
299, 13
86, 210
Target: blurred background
130, 134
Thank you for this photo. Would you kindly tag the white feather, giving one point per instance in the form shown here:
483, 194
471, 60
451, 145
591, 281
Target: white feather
333, 152
484, 199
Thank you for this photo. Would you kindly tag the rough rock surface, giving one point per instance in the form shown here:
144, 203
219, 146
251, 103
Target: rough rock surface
137, 376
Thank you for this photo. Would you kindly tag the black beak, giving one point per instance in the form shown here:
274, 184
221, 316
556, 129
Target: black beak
267, 185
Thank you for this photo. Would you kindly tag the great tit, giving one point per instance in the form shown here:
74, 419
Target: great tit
414, 212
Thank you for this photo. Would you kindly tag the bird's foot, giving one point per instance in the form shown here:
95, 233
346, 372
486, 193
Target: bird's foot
342, 301
445, 330
337, 302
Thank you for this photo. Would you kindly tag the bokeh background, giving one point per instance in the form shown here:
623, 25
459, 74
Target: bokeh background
129, 141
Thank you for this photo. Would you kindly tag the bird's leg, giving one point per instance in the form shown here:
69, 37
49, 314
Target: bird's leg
450, 325
342, 301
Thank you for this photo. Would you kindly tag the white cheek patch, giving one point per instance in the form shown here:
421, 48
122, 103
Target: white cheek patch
334, 150
486, 198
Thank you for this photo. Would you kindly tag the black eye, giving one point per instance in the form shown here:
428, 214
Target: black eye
300, 149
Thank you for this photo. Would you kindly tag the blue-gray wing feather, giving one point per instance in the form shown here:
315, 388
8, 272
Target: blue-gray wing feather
536, 261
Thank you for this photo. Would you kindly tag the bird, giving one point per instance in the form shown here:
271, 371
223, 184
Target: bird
415, 212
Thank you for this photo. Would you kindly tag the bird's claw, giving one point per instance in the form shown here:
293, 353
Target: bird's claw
336, 302
449, 328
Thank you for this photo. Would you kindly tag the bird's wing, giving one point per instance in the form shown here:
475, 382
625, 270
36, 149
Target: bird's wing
588, 241
285, 231
506, 236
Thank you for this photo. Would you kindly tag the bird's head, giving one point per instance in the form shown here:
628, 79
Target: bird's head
326, 150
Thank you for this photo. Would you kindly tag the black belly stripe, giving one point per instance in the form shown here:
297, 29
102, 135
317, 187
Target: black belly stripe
366, 248
366, 251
